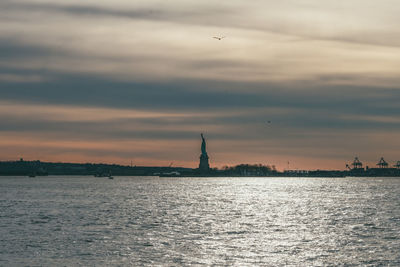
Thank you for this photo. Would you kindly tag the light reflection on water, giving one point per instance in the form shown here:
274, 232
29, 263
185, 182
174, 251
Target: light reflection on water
200, 221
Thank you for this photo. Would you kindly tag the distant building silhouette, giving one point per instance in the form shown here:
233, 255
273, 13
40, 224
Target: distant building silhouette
397, 165
204, 166
382, 163
357, 164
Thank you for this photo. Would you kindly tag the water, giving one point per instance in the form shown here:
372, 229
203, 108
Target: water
136, 221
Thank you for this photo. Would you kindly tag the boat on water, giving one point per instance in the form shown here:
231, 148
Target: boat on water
170, 174
110, 177
103, 174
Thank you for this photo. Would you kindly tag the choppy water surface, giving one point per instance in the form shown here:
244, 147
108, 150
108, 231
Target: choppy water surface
201, 221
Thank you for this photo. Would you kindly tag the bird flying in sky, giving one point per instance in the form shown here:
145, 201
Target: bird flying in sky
219, 38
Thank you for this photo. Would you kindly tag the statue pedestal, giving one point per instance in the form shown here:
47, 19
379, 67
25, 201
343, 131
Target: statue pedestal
204, 166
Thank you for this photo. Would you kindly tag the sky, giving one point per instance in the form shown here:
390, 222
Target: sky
121, 81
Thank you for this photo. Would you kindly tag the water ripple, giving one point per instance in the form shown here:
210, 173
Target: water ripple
144, 221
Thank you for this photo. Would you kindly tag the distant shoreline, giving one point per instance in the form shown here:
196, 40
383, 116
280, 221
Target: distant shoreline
39, 168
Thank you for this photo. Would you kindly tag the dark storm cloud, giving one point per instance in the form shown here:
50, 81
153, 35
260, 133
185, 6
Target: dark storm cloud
339, 107
195, 94
14, 49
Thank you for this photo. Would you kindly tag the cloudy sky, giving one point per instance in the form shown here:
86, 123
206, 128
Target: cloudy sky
115, 81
